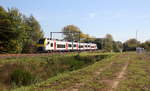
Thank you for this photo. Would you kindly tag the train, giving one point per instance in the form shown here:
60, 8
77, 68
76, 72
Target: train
53, 45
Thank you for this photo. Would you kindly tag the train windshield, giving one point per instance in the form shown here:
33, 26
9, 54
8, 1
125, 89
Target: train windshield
41, 41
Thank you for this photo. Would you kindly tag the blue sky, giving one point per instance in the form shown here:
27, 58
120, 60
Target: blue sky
121, 18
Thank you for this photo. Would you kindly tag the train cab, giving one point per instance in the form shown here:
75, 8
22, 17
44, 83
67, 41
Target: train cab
45, 45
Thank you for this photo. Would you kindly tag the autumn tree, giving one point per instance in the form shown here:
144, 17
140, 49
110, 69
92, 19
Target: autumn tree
71, 32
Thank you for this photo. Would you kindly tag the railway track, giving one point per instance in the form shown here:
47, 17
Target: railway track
30, 55
19, 55
41, 54
34, 54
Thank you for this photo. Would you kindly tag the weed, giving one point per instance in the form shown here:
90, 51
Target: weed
22, 77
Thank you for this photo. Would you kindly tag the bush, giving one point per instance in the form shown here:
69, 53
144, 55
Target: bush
22, 77
78, 57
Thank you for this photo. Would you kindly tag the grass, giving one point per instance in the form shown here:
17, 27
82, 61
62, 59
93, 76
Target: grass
102, 80
138, 75
90, 72
44, 67
61, 81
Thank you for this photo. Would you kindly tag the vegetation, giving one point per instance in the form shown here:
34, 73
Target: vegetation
16, 72
108, 44
18, 33
73, 33
21, 77
137, 77
146, 45
106, 75
131, 44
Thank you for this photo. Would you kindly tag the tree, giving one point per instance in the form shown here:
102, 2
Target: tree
146, 45
4, 27
33, 32
17, 27
18, 32
117, 46
72, 32
11, 30
108, 43
131, 44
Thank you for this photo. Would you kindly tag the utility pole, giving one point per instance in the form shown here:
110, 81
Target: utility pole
136, 34
72, 41
51, 35
137, 37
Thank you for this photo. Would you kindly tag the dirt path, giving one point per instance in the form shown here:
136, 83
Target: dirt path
77, 86
115, 83
104, 76
1, 66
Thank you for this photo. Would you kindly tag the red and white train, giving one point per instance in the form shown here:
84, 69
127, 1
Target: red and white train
48, 45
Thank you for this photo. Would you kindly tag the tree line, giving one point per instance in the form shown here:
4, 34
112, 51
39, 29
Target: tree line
107, 44
18, 32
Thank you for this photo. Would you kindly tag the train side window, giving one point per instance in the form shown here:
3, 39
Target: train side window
81, 46
60, 46
51, 44
70, 45
47, 43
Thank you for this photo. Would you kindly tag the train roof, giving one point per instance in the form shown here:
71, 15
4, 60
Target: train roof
67, 41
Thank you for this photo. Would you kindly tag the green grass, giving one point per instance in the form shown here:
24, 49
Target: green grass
138, 74
44, 67
100, 81
83, 72
61, 81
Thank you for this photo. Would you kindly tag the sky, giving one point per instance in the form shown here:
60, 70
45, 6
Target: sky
121, 18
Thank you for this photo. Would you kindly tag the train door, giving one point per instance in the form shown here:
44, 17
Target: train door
47, 46
66, 46
54, 45
77, 46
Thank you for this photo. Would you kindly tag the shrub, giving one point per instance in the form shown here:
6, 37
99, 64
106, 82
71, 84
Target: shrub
22, 77
78, 57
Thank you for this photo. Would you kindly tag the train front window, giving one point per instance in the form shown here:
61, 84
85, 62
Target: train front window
47, 43
41, 41
92, 46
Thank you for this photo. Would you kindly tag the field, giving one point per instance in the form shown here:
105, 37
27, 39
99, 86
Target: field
84, 72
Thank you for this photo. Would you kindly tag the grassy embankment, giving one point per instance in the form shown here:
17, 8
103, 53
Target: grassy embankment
18, 71
137, 77
124, 72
